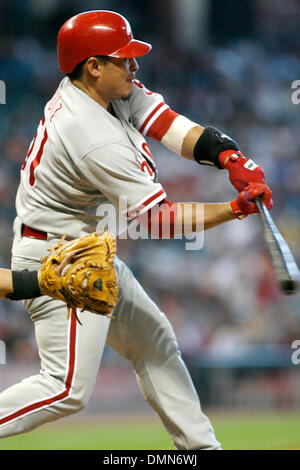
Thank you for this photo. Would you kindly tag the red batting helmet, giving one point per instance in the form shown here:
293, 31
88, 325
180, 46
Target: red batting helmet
97, 32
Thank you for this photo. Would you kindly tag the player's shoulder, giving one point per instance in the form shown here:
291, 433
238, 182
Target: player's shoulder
141, 93
140, 88
75, 115
143, 104
76, 124
141, 101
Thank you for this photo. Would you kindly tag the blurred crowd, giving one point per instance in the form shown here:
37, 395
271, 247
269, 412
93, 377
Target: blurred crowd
225, 294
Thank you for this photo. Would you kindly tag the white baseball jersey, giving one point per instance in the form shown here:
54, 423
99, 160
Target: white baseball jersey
83, 156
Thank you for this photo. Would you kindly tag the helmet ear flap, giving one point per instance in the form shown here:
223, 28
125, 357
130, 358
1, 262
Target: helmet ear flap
96, 33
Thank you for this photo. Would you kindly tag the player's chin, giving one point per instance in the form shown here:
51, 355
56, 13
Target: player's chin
127, 90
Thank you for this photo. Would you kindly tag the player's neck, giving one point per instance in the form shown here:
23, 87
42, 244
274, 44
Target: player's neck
91, 92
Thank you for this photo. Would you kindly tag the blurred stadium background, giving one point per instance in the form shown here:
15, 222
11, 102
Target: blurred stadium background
230, 64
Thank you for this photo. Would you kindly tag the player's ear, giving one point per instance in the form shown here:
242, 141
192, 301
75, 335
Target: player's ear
94, 66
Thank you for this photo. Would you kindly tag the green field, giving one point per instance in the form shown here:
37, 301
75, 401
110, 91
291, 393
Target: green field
262, 430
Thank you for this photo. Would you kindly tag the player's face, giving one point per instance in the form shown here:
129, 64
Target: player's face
117, 77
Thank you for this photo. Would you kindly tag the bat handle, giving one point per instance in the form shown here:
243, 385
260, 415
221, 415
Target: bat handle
260, 205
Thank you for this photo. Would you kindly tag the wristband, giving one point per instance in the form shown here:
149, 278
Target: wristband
210, 144
237, 210
231, 154
25, 285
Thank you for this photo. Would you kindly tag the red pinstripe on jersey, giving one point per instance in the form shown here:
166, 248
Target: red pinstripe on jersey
70, 373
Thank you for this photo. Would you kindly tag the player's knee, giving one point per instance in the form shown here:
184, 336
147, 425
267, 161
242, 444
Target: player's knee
71, 399
77, 401
72, 406
168, 339
163, 343
80, 395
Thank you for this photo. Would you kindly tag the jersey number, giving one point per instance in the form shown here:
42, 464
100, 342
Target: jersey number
36, 151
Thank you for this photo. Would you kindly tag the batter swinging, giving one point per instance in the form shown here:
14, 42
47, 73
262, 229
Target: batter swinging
89, 149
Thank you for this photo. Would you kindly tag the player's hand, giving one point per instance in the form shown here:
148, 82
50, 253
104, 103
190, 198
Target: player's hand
81, 272
242, 170
59, 268
244, 205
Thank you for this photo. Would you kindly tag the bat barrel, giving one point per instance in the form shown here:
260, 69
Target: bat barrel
284, 264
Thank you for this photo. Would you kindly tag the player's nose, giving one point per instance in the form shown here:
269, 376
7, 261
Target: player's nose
133, 65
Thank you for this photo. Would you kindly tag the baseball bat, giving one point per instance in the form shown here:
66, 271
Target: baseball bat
285, 267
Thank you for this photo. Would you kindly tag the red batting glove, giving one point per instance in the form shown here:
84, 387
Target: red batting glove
244, 205
242, 170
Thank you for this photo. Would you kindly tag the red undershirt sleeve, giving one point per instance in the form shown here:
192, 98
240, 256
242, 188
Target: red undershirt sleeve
160, 219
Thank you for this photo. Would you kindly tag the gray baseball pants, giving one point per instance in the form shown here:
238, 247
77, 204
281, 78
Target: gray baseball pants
71, 354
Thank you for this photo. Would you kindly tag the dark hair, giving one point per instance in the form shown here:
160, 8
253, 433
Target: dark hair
77, 72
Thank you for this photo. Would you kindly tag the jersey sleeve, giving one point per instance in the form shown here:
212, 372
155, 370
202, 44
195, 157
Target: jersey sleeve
115, 171
149, 112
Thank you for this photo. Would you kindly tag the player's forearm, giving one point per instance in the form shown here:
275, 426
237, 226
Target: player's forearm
6, 283
205, 145
189, 142
18, 285
192, 217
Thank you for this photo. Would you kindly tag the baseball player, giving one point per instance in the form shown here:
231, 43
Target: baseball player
89, 151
